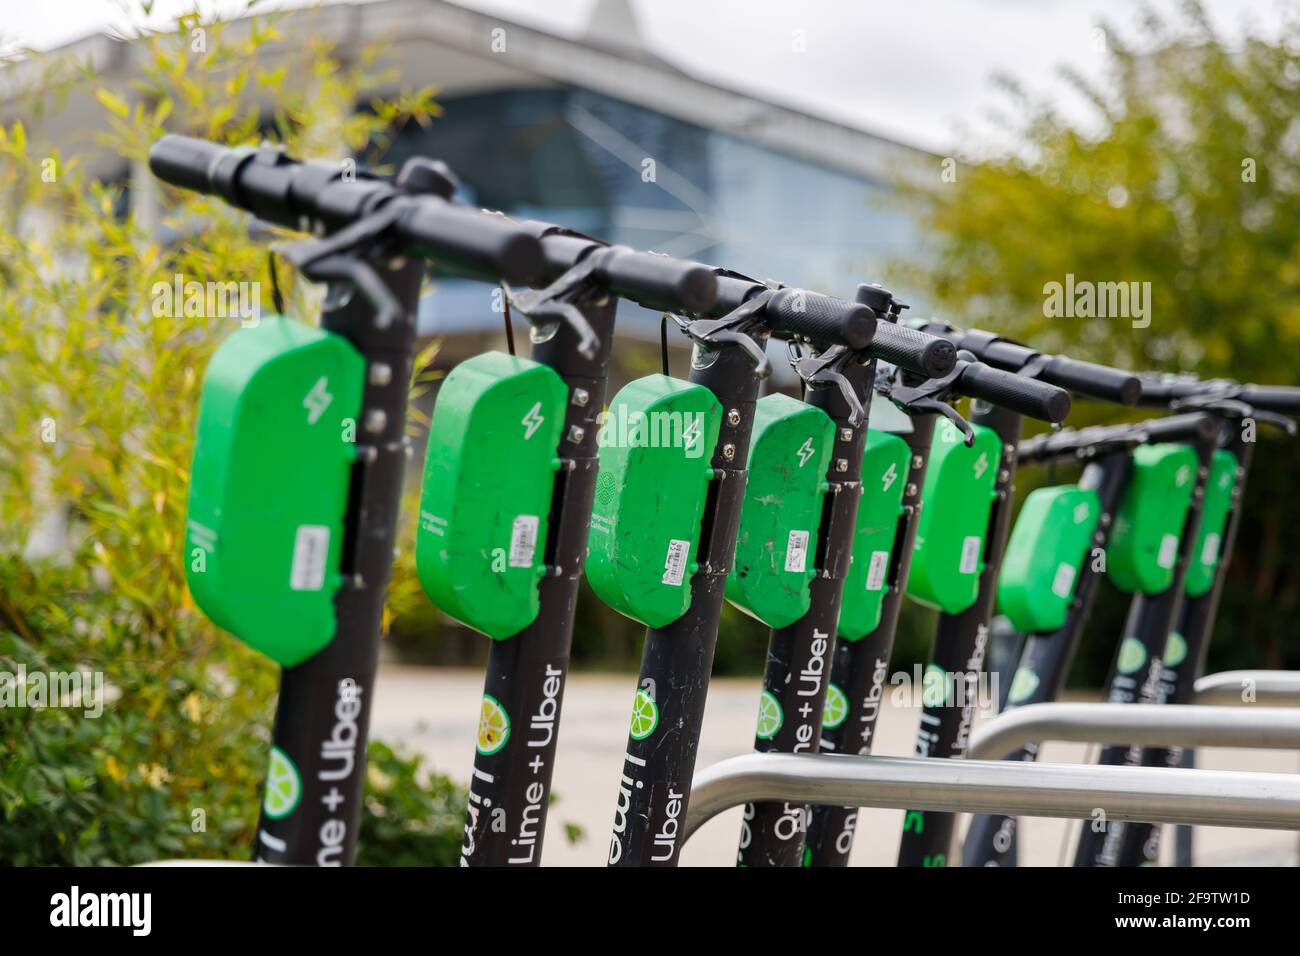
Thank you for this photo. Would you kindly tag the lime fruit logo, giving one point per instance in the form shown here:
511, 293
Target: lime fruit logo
1175, 650
769, 716
493, 726
837, 707
1132, 655
1022, 685
283, 786
934, 686
645, 716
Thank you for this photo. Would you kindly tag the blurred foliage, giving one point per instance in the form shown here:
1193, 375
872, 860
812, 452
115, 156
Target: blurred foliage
1185, 177
99, 395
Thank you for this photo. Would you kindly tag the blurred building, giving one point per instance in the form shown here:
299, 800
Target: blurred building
600, 133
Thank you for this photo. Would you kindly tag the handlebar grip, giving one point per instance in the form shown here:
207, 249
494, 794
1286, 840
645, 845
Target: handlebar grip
474, 240
821, 318
1283, 399
1015, 393
185, 161
1095, 381
915, 351
658, 282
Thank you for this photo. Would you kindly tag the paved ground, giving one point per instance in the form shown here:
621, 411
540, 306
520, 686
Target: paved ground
436, 711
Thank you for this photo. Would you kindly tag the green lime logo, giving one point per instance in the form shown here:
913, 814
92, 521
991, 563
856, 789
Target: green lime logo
1022, 685
493, 726
1175, 650
645, 716
283, 786
769, 716
836, 709
934, 686
1132, 655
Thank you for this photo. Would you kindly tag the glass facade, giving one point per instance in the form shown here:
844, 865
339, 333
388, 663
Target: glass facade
630, 175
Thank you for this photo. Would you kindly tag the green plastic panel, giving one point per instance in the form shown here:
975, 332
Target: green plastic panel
656, 448
956, 502
1045, 552
1214, 518
489, 475
269, 485
1143, 547
777, 542
885, 466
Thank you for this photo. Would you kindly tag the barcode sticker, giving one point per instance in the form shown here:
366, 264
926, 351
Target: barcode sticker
1210, 552
970, 554
675, 562
523, 541
876, 570
311, 546
1168, 551
1063, 583
796, 552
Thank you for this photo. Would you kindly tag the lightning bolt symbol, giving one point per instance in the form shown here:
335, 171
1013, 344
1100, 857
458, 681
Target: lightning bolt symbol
317, 400
532, 421
981, 464
691, 433
889, 477
805, 451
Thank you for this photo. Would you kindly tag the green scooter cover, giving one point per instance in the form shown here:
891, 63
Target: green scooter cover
656, 450
956, 502
489, 475
1045, 552
1143, 546
269, 485
1219, 489
885, 463
777, 542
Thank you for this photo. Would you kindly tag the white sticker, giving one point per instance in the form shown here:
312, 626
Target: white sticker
523, 541
876, 570
675, 562
970, 554
311, 546
1063, 583
1210, 553
1168, 551
796, 552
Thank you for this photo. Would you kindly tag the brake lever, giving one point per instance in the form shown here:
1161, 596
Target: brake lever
1227, 402
732, 329
924, 399
555, 303
823, 370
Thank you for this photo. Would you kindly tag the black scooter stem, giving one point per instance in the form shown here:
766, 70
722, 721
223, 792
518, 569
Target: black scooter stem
960, 643
799, 655
655, 785
1150, 618
861, 668
510, 789
990, 840
322, 715
1141, 841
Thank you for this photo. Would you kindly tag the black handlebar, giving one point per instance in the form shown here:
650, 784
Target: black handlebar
1085, 378
316, 197
1069, 443
1164, 391
1016, 393
916, 351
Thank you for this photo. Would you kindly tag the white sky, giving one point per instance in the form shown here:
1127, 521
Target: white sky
915, 70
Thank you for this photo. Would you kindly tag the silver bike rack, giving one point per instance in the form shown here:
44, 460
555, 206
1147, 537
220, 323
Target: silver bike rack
1237, 688
1172, 725
1014, 788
